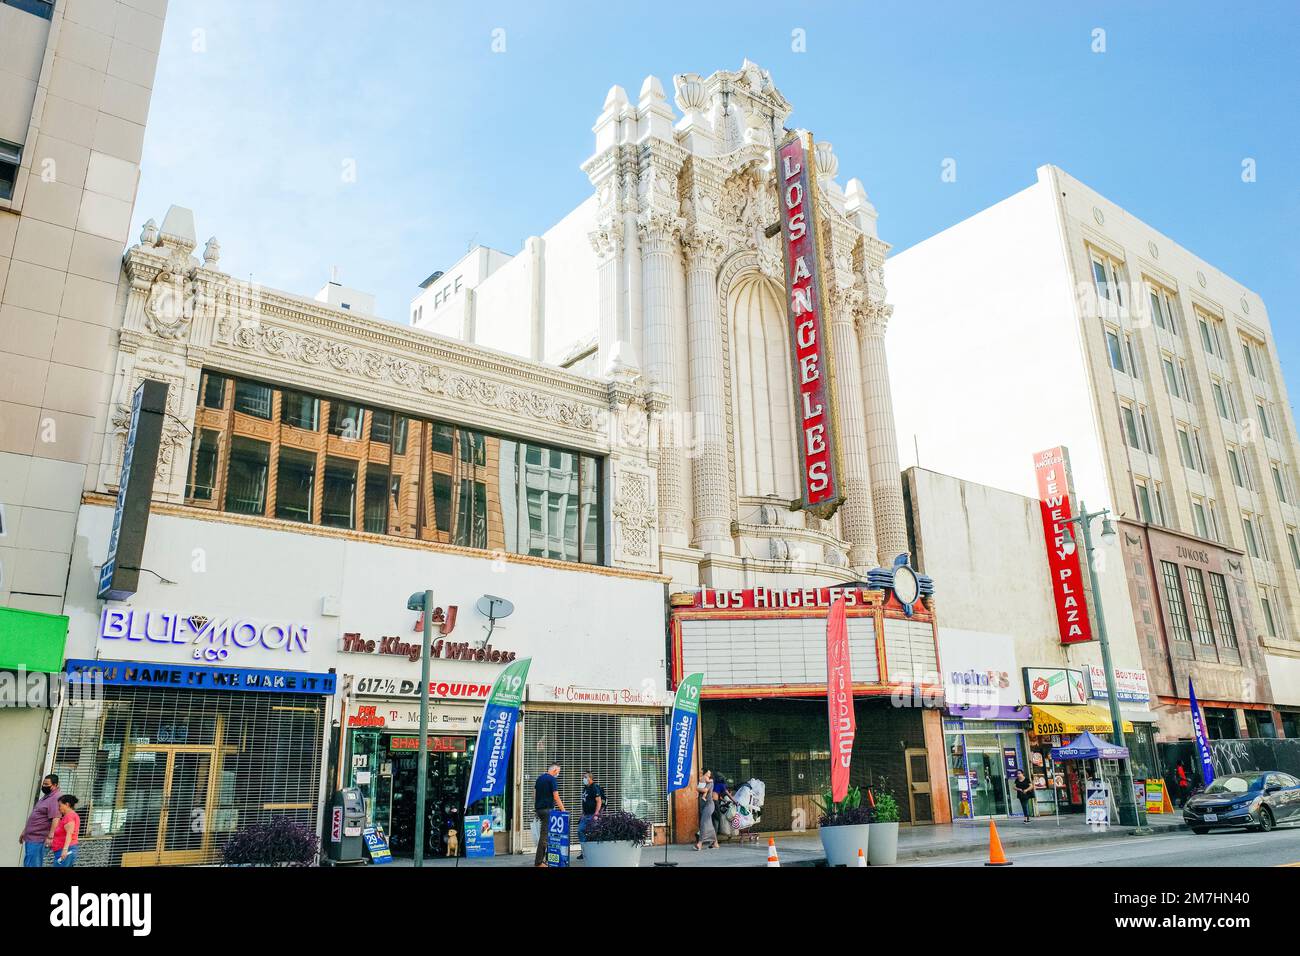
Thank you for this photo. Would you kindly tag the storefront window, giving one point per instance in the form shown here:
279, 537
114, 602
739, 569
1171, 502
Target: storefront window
339, 507
625, 753
295, 485
453, 485
246, 480
166, 776
983, 757
203, 475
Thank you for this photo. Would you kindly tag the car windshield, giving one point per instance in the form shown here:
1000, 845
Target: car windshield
1235, 783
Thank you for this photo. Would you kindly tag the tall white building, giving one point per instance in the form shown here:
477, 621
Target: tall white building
668, 284
76, 78
1058, 318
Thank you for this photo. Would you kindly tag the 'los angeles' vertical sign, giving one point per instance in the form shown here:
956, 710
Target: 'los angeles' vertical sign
796, 188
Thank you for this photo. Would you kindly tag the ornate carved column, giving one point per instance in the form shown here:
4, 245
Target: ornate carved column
659, 248
882, 443
857, 514
709, 472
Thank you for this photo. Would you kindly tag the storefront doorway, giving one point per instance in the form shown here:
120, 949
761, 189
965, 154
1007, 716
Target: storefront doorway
166, 789
385, 767
983, 757
165, 776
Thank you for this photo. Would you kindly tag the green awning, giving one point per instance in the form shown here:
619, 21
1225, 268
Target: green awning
32, 641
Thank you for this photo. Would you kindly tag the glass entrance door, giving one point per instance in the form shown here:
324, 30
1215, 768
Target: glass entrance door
988, 782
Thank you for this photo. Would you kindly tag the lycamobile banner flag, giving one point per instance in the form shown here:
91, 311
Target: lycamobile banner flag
1202, 740
491, 771
681, 735
839, 699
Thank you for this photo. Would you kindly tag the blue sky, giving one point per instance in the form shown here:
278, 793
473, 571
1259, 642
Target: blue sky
260, 107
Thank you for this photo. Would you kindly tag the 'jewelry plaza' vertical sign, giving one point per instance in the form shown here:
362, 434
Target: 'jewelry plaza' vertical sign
120, 575
1052, 468
797, 200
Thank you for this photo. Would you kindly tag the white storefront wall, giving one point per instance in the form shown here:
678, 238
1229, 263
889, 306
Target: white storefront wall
581, 626
301, 592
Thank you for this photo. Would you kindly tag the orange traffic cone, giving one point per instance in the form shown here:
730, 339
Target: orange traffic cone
996, 856
772, 858
862, 857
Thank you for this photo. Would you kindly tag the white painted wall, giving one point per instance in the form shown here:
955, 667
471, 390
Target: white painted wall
1284, 675
570, 290
442, 306
581, 627
981, 311
985, 550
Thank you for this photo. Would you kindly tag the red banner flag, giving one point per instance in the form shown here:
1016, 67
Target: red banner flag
839, 699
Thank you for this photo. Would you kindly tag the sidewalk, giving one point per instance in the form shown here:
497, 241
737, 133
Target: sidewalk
914, 843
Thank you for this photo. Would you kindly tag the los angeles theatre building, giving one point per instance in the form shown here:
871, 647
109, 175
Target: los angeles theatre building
721, 268
314, 469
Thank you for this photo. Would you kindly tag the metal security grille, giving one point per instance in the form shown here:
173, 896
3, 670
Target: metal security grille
625, 752
166, 776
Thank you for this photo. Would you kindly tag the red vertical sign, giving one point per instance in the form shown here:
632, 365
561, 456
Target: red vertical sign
797, 202
839, 698
1052, 468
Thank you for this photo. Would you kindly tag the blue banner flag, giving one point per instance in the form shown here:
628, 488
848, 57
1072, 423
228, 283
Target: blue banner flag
1202, 739
491, 770
681, 734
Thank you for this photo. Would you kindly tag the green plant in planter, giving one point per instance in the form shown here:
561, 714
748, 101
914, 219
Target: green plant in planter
844, 813
886, 808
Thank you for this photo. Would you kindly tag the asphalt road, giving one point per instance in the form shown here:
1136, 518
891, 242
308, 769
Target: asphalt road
1178, 849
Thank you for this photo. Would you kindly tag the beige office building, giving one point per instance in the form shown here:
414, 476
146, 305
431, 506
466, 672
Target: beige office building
1057, 317
75, 82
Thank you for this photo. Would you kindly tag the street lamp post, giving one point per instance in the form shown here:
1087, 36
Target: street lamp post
1130, 814
422, 601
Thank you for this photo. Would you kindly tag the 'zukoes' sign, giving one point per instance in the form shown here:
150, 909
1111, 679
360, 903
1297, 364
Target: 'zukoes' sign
1052, 468
796, 189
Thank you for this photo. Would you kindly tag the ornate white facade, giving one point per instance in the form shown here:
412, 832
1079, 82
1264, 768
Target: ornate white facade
183, 315
687, 311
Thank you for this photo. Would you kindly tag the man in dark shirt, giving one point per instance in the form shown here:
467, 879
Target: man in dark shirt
593, 801
546, 797
38, 834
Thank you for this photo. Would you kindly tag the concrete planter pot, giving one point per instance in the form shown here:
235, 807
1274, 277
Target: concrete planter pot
884, 844
611, 853
842, 843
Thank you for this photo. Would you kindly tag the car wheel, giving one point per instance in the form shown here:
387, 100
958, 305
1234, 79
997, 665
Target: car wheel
1200, 831
1265, 820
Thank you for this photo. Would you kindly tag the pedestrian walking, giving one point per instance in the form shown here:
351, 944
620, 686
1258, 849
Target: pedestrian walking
67, 830
708, 833
1024, 793
593, 801
546, 797
38, 834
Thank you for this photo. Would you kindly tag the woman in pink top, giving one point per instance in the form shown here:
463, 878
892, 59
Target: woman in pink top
66, 831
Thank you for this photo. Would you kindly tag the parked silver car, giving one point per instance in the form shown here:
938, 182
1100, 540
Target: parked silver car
1258, 800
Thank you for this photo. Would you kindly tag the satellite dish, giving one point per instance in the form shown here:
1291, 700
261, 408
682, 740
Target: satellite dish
494, 608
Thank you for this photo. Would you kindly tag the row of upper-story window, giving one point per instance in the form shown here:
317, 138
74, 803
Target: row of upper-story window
297, 456
1136, 427
1161, 308
1197, 610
